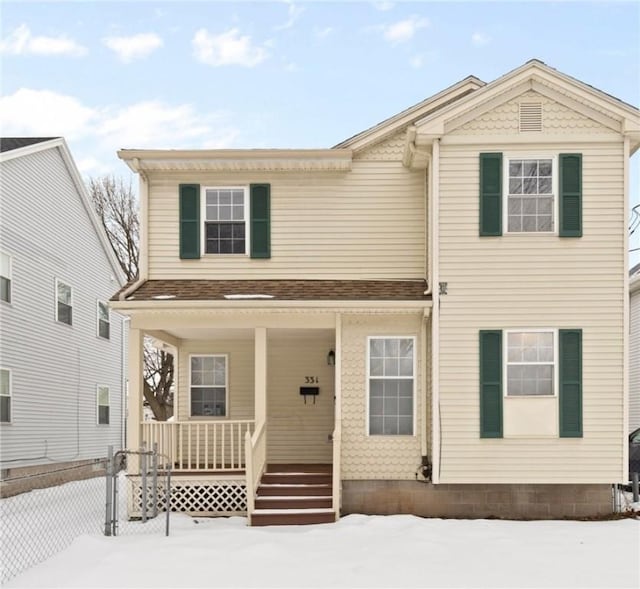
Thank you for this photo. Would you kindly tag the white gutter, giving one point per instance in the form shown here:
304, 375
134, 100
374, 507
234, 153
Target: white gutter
263, 304
435, 316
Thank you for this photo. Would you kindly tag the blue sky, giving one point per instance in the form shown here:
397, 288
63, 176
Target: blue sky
181, 74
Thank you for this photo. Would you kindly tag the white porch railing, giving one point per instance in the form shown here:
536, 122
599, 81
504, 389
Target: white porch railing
200, 445
336, 499
256, 455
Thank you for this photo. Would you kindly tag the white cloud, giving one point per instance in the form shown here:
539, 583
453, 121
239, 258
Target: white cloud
142, 124
480, 39
22, 42
323, 33
404, 30
44, 113
228, 48
294, 15
135, 47
383, 6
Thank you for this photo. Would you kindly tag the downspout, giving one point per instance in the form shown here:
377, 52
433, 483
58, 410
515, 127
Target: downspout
435, 312
143, 259
407, 161
626, 321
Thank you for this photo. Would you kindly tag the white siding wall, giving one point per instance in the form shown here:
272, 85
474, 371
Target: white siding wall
367, 223
634, 362
55, 368
534, 281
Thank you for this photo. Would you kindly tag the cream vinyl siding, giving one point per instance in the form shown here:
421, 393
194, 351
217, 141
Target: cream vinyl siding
367, 223
296, 432
634, 360
376, 457
240, 376
532, 281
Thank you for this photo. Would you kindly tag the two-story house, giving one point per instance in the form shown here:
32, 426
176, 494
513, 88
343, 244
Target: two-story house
62, 362
428, 318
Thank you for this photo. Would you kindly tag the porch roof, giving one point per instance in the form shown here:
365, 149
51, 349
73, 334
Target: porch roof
282, 290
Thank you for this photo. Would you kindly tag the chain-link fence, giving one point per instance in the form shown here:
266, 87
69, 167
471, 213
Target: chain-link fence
38, 523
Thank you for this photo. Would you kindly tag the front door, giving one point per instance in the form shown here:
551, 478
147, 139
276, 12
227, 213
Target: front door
300, 396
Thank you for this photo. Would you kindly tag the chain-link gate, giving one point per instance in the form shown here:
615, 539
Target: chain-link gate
149, 498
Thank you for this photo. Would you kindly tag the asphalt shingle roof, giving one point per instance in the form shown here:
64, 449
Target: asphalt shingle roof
11, 143
288, 290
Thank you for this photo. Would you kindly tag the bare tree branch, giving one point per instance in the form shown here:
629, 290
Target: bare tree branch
117, 208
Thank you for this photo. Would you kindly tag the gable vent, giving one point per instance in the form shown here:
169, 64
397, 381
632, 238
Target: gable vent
530, 118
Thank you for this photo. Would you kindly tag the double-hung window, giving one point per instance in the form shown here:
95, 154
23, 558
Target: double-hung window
103, 405
225, 220
208, 385
391, 362
64, 303
104, 320
531, 362
5, 277
530, 200
5, 395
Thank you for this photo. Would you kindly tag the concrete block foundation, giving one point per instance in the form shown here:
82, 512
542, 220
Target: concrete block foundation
507, 501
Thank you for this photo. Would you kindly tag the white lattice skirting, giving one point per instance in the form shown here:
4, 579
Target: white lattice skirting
194, 495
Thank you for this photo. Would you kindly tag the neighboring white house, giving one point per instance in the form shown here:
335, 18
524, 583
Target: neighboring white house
634, 348
61, 349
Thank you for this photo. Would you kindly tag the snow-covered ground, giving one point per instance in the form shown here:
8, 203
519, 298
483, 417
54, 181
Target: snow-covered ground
358, 551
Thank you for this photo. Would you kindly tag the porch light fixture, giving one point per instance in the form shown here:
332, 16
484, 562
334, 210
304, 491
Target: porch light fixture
331, 358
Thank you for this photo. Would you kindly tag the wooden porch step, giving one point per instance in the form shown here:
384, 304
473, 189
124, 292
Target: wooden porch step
289, 489
296, 478
299, 467
294, 502
292, 517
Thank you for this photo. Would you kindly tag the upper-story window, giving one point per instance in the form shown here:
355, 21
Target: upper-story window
530, 200
64, 303
5, 277
104, 320
225, 220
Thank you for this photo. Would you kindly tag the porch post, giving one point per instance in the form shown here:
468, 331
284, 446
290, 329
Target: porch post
135, 397
260, 375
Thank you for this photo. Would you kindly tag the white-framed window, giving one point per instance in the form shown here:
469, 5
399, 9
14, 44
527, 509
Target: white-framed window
531, 194
5, 395
208, 385
531, 362
103, 318
225, 220
102, 399
391, 385
5, 277
64, 303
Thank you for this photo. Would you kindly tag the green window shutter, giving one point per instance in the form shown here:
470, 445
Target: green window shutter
570, 393
570, 195
189, 221
260, 220
490, 194
490, 384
